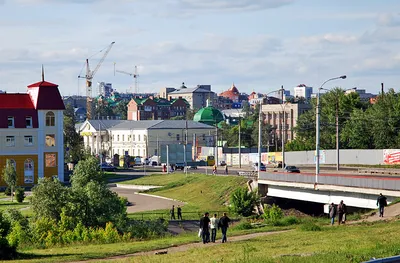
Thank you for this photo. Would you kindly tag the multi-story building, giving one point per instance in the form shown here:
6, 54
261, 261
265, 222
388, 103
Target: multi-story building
31, 132
283, 118
156, 108
105, 89
197, 97
364, 96
139, 138
302, 91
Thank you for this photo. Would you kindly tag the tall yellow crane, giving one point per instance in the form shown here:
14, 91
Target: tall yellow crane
89, 78
135, 75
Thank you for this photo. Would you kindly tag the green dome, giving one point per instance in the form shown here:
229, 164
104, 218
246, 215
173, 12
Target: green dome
209, 115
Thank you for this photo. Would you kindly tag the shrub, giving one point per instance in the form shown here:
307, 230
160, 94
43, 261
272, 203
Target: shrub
7, 251
272, 213
286, 221
243, 225
310, 226
7, 192
147, 229
20, 194
243, 201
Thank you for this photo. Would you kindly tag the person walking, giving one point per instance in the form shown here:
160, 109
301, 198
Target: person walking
332, 213
224, 224
214, 169
214, 222
226, 169
204, 226
179, 210
341, 212
172, 211
381, 202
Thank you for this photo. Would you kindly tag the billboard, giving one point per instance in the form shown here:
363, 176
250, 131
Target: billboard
176, 153
391, 156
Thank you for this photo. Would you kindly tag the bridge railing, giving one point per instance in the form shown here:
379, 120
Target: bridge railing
352, 181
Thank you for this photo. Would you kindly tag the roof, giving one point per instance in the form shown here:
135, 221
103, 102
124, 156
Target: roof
46, 96
209, 115
15, 101
105, 124
191, 90
43, 84
160, 124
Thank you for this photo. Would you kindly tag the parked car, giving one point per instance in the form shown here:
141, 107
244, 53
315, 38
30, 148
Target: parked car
192, 167
107, 167
291, 169
263, 168
180, 166
222, 163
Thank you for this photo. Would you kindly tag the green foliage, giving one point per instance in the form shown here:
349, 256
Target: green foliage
286, 221
272, 213
72, 139
310, 226
243, 201
10, 176
7, 250
147, 229
7, 191
86, 171
243, 225
20, 194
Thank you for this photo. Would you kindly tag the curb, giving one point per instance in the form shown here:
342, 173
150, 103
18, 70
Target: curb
137, 187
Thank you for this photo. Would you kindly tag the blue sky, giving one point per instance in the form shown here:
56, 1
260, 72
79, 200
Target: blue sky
257, 44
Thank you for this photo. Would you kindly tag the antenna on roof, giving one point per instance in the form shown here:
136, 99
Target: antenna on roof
42, 73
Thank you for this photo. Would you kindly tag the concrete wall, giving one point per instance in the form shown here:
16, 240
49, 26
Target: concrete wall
369, 157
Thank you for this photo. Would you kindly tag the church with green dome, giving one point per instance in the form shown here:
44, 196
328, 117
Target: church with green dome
209, 115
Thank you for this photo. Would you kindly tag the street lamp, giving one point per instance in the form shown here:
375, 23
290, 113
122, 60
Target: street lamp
259, 132
240, 146
318, 128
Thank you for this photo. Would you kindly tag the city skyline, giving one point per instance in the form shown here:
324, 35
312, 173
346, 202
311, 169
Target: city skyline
258, 45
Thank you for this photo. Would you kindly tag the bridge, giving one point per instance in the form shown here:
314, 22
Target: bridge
357, 190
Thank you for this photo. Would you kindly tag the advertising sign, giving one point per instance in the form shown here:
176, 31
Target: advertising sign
391, 156
322, 156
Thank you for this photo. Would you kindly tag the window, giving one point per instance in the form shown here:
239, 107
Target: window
13, 163
28, 140
138, 138
10, 122
133, 137
28, 171
123, 139
129, 138
50, 140
177, 137
138, 152
10, 141
28, 121
51, 160
50, 119
113, 138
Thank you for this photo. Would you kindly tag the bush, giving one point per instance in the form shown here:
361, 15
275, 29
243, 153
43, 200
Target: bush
147, 229
310, 226
7, 251
243, 225
286, 221
243, 201
20, 194
7, 192
272, 213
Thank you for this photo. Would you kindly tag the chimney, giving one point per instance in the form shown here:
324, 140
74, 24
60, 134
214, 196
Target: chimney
382, 90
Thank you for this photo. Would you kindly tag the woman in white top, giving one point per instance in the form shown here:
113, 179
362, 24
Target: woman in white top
214, 226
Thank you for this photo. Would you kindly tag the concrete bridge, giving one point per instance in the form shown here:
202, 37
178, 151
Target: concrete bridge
356, 190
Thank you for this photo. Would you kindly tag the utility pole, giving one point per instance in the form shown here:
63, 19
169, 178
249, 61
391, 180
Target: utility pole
240, 146
259, 138
167, 159
337, 133
283, 129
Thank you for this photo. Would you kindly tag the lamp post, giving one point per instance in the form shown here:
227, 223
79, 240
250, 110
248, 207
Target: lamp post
317, 130
240, 146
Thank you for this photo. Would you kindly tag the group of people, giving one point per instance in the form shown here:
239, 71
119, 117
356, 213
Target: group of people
215, 169
341, 209
179, 211
213, 224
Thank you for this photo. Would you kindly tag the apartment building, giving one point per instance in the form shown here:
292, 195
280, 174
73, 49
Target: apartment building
31, 133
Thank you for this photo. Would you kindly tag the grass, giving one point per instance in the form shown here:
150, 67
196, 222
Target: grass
330, 245
8, 204
200, 192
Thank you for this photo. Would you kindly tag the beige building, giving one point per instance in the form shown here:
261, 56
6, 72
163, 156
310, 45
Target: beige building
278, 114
139, 138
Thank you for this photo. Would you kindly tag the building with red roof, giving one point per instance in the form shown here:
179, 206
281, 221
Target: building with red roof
31, 132
232, 93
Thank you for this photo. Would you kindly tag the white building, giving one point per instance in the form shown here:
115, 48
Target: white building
302, 91
139, 138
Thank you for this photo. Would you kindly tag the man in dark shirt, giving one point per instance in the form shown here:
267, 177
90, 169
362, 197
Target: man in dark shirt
172, 212
224, 224
204, 225
179, 212
381, 203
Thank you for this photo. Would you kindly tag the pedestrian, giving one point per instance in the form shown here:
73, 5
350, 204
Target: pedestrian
341, 212
226, 169
172, 211
179, 210
224, 224
204, 226
214, 222
381, 203
215, 169
332, 213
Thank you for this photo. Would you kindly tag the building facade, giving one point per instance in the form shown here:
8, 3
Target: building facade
196, 97
31, 133
139, 138
283, 118
302, 91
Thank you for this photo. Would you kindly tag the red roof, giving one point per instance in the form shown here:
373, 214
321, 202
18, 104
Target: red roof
15, 101
42, 84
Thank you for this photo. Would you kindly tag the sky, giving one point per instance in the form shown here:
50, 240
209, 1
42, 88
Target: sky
259, 45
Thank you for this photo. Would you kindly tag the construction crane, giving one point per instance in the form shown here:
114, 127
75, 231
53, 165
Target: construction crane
89, 79
134, 75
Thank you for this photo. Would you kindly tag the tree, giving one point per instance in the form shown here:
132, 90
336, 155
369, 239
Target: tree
49, 197
357, 132
72, 140
6, 250
244, 201
10, 176
246, 109
190, 114
121, 109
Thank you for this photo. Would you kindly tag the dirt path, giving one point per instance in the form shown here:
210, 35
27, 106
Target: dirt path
390, 213
181, 248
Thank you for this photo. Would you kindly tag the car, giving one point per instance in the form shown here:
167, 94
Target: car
180, 166
263, 168
222, 163
291, 169
154, 163
192, 167
107, 167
